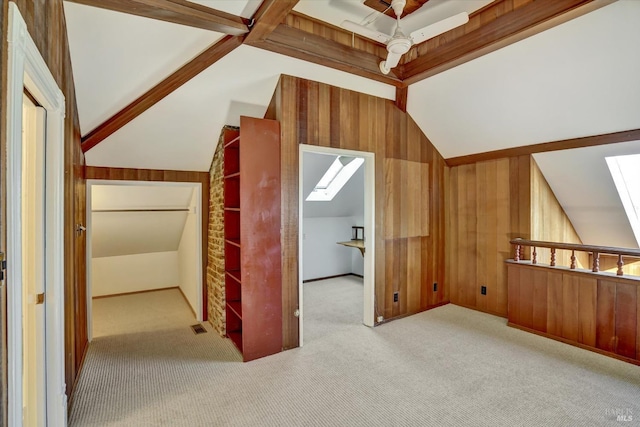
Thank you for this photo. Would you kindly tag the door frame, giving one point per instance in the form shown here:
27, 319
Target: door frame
196, 186
369, 228
27, 69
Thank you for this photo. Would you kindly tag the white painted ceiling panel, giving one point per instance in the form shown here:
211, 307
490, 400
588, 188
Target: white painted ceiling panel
336, 11
117, 57
583, 185
127, 233
577, 79
181, 131
244, 8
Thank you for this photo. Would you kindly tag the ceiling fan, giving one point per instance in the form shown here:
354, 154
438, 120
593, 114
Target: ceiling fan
398, 44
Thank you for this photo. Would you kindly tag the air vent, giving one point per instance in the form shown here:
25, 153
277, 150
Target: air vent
198, 329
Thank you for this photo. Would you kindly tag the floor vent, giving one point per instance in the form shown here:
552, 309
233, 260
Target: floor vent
198, 329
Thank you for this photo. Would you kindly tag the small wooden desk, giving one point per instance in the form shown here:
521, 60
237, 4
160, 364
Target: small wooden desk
354, 244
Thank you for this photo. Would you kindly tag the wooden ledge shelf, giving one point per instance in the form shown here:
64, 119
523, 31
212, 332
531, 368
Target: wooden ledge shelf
354, 244
234, 242
236, 307
235, 275
233, 143
232, 175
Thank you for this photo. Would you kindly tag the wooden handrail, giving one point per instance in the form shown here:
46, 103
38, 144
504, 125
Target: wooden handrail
596, 251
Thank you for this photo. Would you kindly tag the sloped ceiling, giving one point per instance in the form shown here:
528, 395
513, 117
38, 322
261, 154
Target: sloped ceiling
583, 185
577, 79
348, 202
127, 233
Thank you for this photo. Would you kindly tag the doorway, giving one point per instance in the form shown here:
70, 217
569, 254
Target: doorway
144, 256
339, 159
35, 235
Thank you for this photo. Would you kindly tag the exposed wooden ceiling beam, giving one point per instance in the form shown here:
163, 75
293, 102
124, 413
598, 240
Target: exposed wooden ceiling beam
523, 22
565, 144
178, 12
268, 16
309, 47
161, 90
402, 93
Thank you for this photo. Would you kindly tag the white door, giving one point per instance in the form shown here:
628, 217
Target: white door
33, 265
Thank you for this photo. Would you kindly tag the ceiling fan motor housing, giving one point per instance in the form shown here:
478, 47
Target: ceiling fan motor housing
399, 46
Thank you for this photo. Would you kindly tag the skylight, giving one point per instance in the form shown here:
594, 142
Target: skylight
625, 171
338, 174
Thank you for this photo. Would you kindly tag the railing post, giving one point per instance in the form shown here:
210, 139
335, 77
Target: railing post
596, 262
534, 256
573, 260
553, 257
620, 264
517, 258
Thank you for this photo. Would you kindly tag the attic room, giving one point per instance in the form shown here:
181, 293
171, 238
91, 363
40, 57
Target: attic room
499, 257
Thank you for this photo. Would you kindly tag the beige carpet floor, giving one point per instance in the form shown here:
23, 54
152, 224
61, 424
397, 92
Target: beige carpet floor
446, 367
146, 311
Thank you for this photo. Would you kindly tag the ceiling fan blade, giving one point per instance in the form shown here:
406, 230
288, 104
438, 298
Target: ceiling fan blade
366, 32
430, 31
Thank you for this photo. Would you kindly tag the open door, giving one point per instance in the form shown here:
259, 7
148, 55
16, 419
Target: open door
33, 265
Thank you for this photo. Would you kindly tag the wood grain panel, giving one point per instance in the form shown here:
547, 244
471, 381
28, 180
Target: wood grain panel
605, 316
588, 294
555, 304
570, 299
513, 286
550, 223
318, 114
626, 319
407, 204
539, 300
488, 204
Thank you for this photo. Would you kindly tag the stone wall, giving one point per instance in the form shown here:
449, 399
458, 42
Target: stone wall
215, 250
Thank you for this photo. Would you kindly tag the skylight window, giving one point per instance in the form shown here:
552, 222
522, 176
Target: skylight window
625, 171
338, 174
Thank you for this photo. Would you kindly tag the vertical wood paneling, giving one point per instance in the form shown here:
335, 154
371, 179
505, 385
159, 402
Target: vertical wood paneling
488, 205
605, 316
570, 298
554, 304
588, 293
539, 300
318, 114
626, 319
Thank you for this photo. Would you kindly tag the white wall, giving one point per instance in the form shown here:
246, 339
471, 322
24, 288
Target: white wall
322, 257
188, 258
132, 273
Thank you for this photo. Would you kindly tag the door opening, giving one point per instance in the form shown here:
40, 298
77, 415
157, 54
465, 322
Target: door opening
327, 246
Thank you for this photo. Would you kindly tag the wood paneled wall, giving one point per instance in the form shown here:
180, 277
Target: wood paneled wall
550, 223
589, 310
46, 24
609, 263
318, 114
488, 204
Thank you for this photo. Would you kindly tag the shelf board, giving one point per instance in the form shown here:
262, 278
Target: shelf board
236, 338
236, 307
234, 142
232, 209
234, 242
235, 274
232, 175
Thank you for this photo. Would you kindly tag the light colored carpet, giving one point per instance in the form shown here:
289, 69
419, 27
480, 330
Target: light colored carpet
147, 311
446, 367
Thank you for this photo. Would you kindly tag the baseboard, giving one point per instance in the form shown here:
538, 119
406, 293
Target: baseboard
136, 292
576, 344
332, 277
188, 303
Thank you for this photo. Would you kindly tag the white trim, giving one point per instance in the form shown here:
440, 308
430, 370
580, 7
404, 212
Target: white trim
27, 69
369, 228
197, 186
